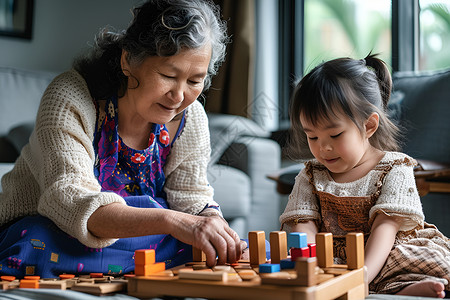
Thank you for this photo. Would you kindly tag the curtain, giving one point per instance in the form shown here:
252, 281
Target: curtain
231, 91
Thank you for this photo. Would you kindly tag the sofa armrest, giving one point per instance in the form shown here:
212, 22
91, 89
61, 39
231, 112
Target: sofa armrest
258, 157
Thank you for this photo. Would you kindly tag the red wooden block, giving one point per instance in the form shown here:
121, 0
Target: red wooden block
312, 249
299, 252
144, 257
145, 270
66, 276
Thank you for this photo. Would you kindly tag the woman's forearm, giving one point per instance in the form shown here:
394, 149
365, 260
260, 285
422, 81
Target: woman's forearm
120, 221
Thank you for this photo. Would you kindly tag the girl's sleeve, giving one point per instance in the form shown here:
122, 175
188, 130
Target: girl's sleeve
187, 186
399, 197
61, 156
302, 204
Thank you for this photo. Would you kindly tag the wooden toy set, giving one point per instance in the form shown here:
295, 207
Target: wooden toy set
308, 273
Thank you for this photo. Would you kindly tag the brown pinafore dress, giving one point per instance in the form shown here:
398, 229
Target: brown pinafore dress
419, 254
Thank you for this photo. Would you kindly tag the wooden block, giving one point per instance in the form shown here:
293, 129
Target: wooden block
198, 255
96, 275
312, 250
278, 246
29, 284
287, 264
29, 277
163, 274
7, 278
324, 249
145, 270
355, 250
269, 268
257, 247
99, 288
222, 268
247, 274
297, 240
299, 252
306, 271
213, 276
144, 257
58, 285
200, 267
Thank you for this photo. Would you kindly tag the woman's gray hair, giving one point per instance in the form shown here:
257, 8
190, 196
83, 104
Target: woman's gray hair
164, 27
158, 28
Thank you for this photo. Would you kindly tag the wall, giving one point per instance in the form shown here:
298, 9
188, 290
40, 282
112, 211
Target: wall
61, 30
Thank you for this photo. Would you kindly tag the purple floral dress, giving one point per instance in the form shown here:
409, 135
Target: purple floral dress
34, 245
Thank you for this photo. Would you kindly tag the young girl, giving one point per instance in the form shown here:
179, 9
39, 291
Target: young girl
358, 183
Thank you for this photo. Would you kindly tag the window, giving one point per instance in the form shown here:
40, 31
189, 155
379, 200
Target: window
336, 28
408, 35
434, 41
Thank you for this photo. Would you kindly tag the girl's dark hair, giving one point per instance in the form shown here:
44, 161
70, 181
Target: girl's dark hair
357, 88
158, 28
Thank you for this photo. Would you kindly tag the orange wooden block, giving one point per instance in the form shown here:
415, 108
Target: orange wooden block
198, 255
144, 257
145, 270
96, 275
66, 276
8, 278
29, 284
32, 277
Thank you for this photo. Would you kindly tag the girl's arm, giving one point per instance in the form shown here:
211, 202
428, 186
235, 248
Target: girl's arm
308, 227
379, 244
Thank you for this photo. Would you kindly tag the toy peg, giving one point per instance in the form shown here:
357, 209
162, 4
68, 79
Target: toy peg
306, 271
257, 247
324, 249
355, 250
278, 246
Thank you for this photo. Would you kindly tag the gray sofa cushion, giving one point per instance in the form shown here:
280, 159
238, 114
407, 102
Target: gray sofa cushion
20, 95
226, 129
421, 103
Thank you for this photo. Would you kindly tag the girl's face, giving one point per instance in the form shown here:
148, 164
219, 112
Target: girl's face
162, 87
337, 144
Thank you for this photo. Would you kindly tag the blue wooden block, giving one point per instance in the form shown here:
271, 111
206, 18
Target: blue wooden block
287, 264
297, 240
269, 268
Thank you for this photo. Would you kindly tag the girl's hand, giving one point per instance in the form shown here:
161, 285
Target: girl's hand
211, 234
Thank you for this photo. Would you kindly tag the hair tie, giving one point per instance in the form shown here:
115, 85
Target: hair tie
174, 28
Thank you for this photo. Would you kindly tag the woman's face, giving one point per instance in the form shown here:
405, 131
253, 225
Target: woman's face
162, 87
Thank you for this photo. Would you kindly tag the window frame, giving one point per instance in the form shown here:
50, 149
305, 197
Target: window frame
405, 45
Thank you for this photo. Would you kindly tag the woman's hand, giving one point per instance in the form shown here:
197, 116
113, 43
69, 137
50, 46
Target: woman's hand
211, 234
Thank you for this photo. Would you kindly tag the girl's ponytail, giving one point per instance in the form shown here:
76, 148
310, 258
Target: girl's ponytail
383, 76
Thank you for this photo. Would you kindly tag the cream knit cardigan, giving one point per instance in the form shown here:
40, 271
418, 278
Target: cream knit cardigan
54, 174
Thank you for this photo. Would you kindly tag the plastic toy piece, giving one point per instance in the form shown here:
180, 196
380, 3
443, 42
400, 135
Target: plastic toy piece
269, 268
144, 257
355, 250
297, 240
66, 276
96, 275
7, 278
287, 264
257, 247
278, 246
324, 249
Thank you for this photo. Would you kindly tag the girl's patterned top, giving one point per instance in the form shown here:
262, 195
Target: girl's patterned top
343, 207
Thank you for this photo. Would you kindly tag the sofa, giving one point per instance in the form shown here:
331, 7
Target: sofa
242, 153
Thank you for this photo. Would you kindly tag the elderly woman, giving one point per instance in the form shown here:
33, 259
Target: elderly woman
118, 158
